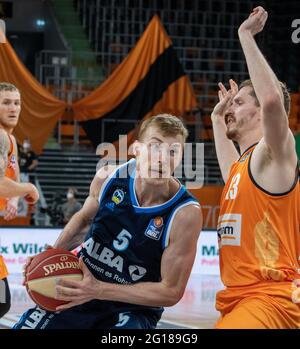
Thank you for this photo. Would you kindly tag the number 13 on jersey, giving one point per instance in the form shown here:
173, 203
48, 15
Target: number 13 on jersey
233, 188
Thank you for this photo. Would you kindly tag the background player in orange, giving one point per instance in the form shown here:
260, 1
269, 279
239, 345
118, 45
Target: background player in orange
9, 188
10, 109
258, 226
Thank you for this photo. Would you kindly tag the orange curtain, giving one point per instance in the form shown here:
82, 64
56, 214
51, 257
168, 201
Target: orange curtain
40, 110
176, 100
130, 72
139, 73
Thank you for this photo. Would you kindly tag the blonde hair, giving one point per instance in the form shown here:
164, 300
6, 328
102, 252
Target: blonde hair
6, 86
168, 125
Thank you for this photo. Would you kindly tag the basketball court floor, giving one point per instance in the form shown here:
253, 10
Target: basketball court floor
195, 310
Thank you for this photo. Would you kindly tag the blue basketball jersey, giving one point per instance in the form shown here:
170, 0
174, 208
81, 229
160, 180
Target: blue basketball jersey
125, 242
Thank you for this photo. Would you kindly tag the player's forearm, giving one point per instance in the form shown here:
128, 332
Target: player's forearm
265, 82
17, 172
72, 234
152, 294
225, 149
10, 188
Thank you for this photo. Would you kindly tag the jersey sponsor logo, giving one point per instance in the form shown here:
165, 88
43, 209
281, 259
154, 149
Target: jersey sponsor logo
136, 272
229, 230
103, 255
12, 162
155, 228
118, 196
108, 257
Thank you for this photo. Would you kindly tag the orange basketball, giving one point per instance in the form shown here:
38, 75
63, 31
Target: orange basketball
43, 271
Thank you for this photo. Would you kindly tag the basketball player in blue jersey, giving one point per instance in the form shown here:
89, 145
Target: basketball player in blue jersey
140, 249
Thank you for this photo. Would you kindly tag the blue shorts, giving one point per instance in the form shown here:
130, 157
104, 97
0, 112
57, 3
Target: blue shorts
80, 318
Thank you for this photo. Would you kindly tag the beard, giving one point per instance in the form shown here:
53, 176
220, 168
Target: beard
232, 134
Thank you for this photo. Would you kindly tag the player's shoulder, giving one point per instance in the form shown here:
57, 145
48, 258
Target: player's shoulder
189, 220
4, 139
190, 212
100, 178
105, 171
3, 133
109, 170
187, 216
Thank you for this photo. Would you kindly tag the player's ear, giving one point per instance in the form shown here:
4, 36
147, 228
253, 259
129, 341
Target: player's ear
135, 148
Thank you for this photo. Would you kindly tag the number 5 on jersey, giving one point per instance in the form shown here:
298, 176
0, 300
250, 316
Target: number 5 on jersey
233, 188
122, 240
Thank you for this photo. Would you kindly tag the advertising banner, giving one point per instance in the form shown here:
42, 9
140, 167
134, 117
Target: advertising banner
16, 244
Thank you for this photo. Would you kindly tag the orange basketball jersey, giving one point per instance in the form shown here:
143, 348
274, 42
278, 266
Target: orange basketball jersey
10, 172
3, 269
258, 232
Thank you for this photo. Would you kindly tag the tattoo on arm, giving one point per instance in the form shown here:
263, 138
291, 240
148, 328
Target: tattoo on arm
4, 149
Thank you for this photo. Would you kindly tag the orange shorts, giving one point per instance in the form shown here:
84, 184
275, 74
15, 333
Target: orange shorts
259, 311
3, 269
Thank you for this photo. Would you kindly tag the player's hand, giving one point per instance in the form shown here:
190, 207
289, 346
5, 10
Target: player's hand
11, 209
77, 292
33, 194
27, 264
255, 22
225, 99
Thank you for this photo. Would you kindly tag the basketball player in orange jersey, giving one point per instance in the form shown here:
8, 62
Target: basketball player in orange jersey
10, 189
258, 226
9, 116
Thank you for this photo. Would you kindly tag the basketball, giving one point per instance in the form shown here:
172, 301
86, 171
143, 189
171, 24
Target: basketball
43, 271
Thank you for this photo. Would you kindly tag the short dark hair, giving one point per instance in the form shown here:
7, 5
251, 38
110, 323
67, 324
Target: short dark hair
286, 95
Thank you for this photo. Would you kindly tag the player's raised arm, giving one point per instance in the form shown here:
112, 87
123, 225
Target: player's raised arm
269, 91
176, 266
225, 149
